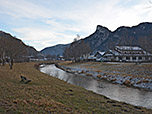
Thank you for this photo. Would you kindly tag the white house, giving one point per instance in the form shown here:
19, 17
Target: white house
127, 54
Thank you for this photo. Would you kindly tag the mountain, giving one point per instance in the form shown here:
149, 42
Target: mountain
30, 51
103, 39
98, 38
55, 50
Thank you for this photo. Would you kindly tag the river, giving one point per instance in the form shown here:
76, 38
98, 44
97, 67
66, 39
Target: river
137, 97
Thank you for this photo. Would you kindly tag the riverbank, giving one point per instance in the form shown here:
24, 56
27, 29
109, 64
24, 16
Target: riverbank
45, 94
130, 74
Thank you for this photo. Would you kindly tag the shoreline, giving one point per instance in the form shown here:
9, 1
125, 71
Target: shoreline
46, 94
137, 82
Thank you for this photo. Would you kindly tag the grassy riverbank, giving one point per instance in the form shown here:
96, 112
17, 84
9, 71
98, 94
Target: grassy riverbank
123, 69
46, 94
130, 74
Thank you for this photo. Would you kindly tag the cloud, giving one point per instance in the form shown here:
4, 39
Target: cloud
41, 38
24, 9
60, 26
46, 23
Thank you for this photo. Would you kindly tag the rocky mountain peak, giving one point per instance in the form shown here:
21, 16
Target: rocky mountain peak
103, 39
102, 29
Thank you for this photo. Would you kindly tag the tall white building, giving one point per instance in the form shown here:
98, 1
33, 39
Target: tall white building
127, 54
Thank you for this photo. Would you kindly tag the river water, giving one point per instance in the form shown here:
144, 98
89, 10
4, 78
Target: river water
137, 97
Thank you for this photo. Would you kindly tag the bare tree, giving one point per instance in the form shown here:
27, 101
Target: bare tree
2, 50
15, 49
76, 50
77, 38
11, 49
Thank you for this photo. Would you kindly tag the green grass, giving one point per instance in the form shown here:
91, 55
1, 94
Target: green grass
46, 94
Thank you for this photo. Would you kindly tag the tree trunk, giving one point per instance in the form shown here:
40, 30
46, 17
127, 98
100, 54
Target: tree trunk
11, 64
3, 61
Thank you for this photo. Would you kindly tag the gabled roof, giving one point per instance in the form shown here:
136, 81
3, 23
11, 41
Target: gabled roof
111, 53
135, 48
100, 52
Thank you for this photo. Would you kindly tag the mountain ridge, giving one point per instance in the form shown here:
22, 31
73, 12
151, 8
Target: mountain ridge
124, 35
55, 50
104, 39
31, 51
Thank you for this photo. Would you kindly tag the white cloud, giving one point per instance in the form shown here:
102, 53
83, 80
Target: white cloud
41, 38
24, 9
49, 23
58, 26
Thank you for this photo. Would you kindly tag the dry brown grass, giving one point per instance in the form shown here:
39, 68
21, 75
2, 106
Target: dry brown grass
122, 69
127, 82
82, 71
99, 75
142, 81
87, 74
46, 94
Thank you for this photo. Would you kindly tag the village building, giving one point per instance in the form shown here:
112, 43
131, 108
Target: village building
91, 58
99, 55
127, 54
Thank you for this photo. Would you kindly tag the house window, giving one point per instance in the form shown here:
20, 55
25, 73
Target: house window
140, 58
134, 58
120, 58
127, 58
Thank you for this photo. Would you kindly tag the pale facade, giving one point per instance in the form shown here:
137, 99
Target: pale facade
127, 54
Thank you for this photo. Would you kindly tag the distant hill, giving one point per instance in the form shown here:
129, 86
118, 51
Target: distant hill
55, 50
29, 49
103, 39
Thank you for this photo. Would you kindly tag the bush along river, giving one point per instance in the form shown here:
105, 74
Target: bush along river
134, 96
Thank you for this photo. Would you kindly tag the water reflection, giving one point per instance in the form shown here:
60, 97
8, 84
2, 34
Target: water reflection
113, 91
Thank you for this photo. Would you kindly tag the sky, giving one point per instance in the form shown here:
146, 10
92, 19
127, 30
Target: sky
44, 23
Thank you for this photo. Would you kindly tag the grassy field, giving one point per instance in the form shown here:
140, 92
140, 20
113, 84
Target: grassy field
122, 69
48, 95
